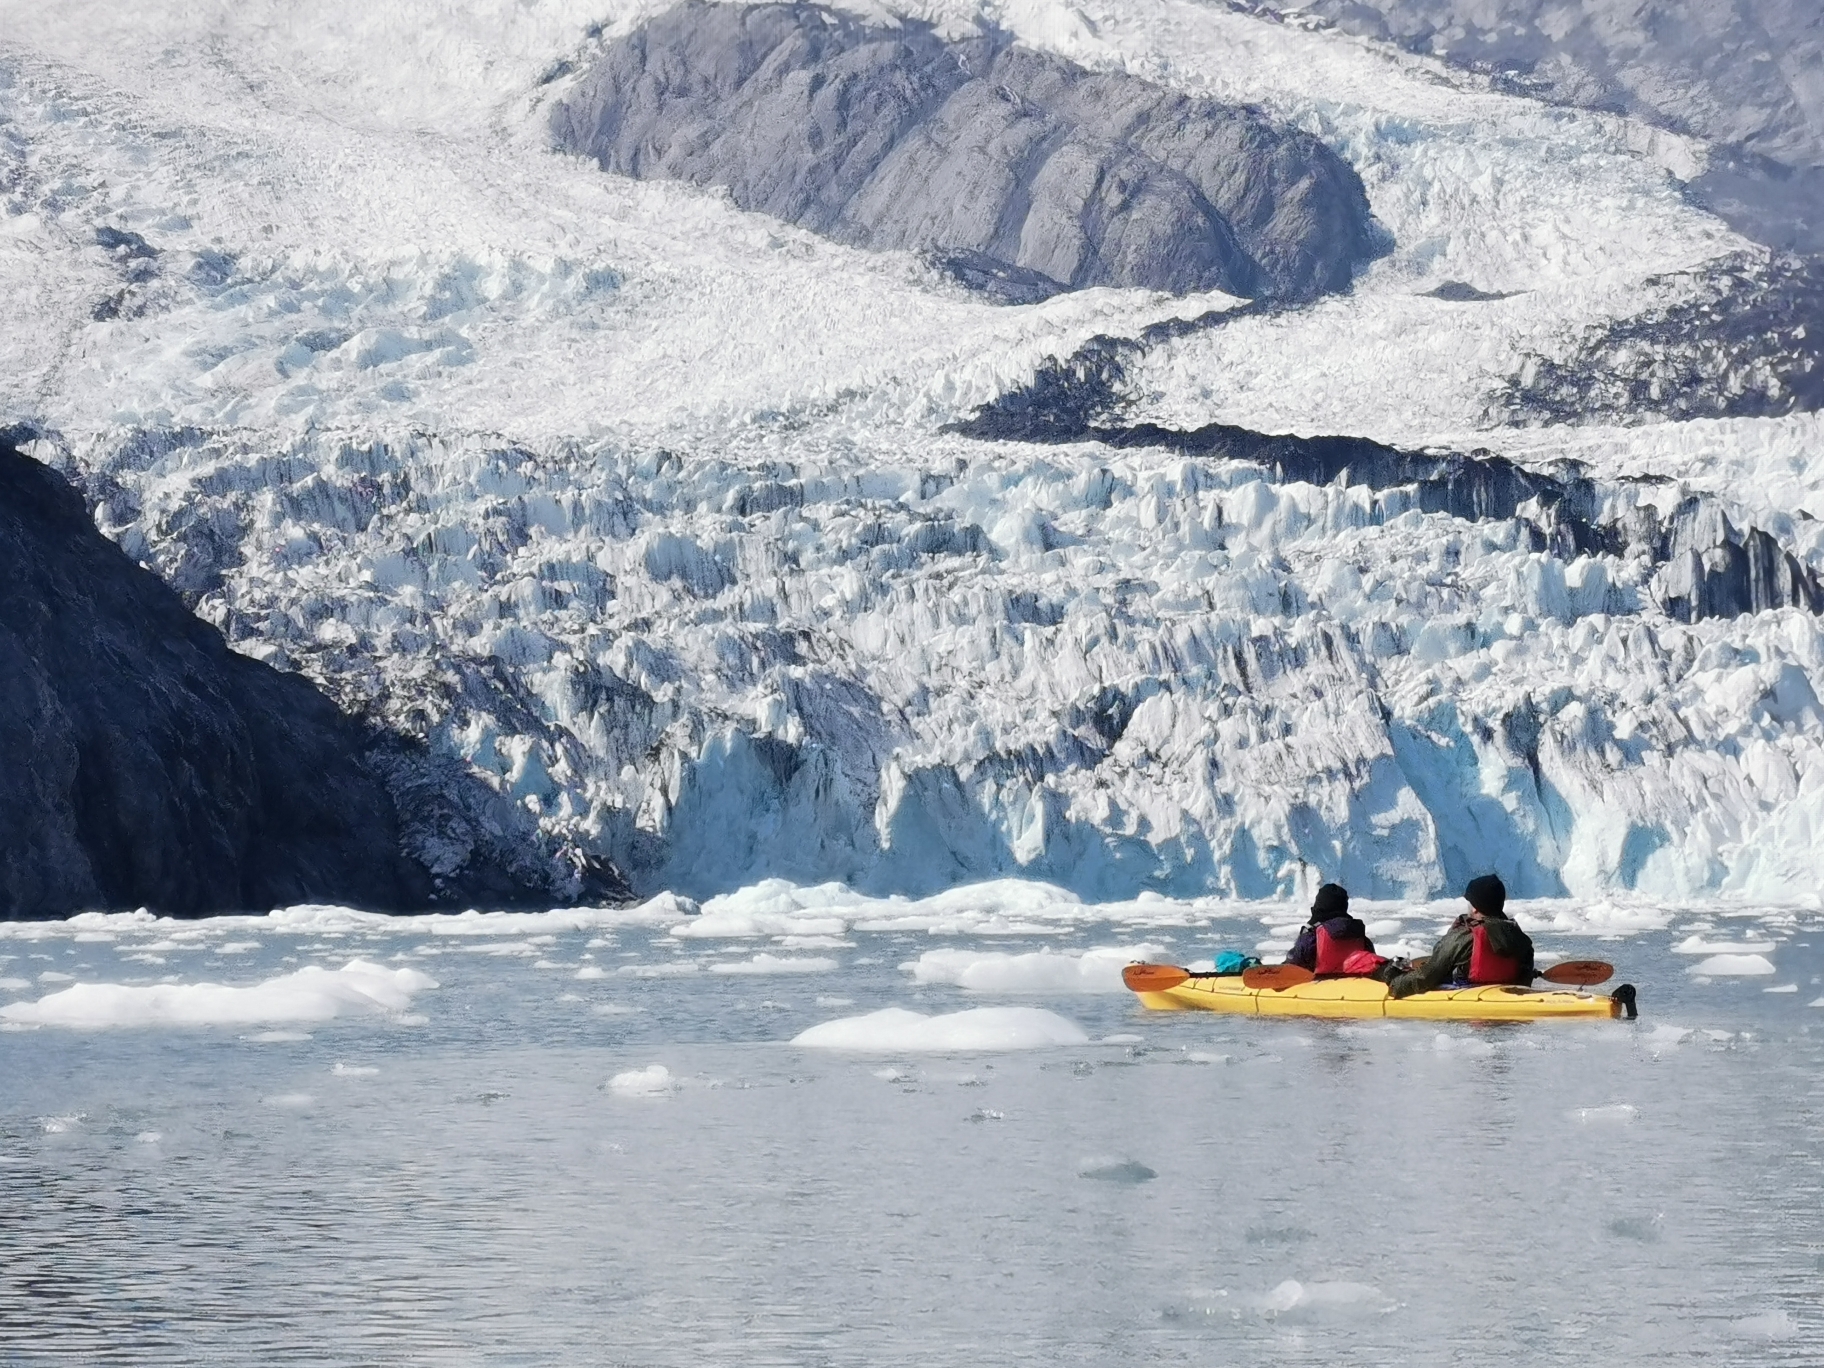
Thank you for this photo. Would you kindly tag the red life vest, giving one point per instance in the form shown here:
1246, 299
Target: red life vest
1333, 953
1485, 966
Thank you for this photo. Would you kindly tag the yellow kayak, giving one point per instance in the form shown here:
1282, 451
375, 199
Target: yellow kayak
1356, 998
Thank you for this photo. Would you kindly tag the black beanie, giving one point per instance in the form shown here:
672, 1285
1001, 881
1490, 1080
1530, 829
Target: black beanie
1332, 900
1487, 894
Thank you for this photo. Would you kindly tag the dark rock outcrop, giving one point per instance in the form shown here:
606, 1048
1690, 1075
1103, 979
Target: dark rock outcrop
1018, 170
149, 765
1742, 74
1709, 567
1743, 338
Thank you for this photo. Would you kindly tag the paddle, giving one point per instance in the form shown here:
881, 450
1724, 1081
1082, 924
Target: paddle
1154, 978
1579, 973
1275, 976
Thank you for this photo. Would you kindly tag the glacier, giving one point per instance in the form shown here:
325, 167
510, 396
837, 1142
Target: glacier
654, 514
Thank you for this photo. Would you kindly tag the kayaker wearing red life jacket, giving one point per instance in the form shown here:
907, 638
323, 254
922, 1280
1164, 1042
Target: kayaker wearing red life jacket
1331, 936
1482, 947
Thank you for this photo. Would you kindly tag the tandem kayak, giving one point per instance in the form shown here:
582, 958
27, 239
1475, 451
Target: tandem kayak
1368, 998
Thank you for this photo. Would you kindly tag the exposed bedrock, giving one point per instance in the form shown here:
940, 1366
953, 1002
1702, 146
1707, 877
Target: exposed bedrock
1741, 338
149, 765
1741, 74
1706, 566
1021, 172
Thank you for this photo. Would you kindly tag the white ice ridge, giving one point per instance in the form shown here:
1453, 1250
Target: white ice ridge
641, 506
895, 1030
311, 994
1096, 970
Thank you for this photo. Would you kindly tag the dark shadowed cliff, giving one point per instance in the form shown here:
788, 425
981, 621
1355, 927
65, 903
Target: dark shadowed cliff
146, 764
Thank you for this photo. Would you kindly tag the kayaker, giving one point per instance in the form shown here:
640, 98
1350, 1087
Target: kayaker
1483, 946
1331, 936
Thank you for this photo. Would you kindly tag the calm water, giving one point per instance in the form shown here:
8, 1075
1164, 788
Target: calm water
457, 1184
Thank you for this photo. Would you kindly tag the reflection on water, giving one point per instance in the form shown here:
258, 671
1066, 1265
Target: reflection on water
469, 1190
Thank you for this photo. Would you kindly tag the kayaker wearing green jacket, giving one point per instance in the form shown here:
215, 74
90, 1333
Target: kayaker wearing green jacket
1482, 946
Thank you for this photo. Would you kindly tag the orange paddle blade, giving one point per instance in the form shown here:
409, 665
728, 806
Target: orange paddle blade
1275, 976
1579, 973
1154, 978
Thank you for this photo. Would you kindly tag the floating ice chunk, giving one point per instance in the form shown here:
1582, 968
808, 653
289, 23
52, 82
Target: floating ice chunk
13, 985
56, 976
277, 1037
652, 1081
1097, 970
895, 1029
776, 964
614, 1009
238, 948
1616, 1114
148, 1138
1293, 1295
59, 1125
1103, 1170
1782, 988
1664, 1034
672, 969
354, 1070
1697, 945
1769, 1325
1733, 964
824, 1000
310, 994
1816, 1002
290, 1099
591, 971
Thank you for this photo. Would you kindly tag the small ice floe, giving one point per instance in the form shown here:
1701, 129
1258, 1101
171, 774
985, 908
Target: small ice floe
986, 1114
1445, 1043
1665, 1034
1782, 988
1205, 1057
895, 1029
1319, 1297
1096, 970
613, 1009
591, 971
311, 994
654, 1080
824, 1000
1110, 1170
1732, 965
13, 985
1697, 945
890, 1075
777, 964
342, 1070
56, 976
147, 1138
290, 1099
59, 1125
1123, 1038
277, 1037
1769, 1325
1615, 1114
238, 948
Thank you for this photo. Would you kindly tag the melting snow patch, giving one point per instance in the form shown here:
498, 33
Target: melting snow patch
1733, 964
310, 994
776, 964
1097, 970
652, 1081
980, 1028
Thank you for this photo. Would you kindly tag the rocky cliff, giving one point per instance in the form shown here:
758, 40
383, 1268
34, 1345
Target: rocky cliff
1023, 173
149, 765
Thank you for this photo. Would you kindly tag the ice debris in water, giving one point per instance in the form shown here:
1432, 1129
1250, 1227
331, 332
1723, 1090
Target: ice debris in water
1616, 1114
1733, 964
1096, 970
354, 1070
894, 1029
652, 1081
1292, 1295
311, 994
1105, 1170
1769, 1325
776, 964
290, 1099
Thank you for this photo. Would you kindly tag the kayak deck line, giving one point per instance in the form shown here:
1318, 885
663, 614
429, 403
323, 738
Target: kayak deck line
1365, 998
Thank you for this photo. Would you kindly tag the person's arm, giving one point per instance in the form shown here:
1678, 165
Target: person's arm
1439, 967
1304, 950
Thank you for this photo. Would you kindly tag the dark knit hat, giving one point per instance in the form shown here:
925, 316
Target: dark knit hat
1332, 900
1487, 894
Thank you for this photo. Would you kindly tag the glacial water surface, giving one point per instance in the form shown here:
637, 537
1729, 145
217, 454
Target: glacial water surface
492, 1171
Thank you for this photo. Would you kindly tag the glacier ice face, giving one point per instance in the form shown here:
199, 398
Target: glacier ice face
640, 507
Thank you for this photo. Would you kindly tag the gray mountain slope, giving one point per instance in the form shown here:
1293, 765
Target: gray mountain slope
1747, 75
1020, 168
